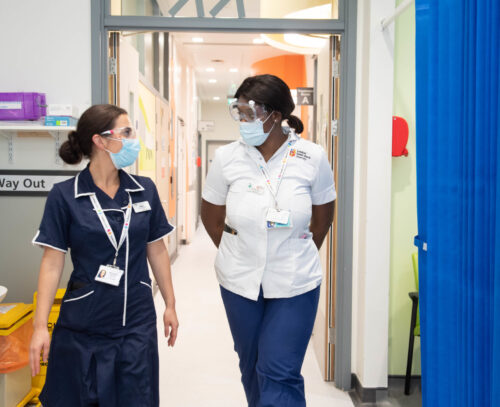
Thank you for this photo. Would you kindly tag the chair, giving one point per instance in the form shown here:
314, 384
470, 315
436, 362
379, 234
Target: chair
414, 324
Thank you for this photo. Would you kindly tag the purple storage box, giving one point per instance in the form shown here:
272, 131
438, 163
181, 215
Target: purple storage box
22, 106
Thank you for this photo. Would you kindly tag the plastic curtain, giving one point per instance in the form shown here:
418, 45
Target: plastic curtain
458, 194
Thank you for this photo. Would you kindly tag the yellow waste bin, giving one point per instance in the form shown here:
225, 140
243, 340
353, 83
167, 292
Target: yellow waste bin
16, 329
38, 381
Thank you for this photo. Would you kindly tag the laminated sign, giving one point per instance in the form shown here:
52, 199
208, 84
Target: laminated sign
305, 96
31, 182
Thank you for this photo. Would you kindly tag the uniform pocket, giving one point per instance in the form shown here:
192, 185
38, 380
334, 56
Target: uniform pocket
306, 261
149, 285
243, 208
78, 290
81, 297
76, 308
231, 260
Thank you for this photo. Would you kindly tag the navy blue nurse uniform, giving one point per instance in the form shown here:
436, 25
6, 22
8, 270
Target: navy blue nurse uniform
104, 349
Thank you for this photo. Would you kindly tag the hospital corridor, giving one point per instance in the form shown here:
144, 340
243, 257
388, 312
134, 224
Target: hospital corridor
249, 203
202, 368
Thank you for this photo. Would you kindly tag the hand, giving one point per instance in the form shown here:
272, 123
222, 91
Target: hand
40, 342
171, 325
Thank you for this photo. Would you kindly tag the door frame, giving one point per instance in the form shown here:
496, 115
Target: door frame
207, 142
102, 23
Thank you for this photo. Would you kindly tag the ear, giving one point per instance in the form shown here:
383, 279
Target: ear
277, 117
98, 142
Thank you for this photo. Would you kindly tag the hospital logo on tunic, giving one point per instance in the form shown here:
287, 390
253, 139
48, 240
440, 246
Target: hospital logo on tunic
293, 151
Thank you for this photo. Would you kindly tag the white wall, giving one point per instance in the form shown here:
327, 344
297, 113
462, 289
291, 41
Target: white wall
45, 47
185, 103
372, 193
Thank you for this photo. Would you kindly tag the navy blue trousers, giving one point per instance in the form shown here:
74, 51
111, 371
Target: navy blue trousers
271, 338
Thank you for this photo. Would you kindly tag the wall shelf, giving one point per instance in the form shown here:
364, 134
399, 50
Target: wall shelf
10, 129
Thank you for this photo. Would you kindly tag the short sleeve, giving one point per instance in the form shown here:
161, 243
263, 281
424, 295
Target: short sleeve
323, 185
54, 228
215, 189
158, 223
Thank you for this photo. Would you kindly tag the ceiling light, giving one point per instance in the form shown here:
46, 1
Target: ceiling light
216, 98
258, 41
210, 70
197, 39
212, 81
233, 70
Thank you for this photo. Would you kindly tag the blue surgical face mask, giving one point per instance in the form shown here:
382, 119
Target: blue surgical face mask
253, 134
127, 155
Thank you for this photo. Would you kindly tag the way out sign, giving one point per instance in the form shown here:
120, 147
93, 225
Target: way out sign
31, 182
305, 96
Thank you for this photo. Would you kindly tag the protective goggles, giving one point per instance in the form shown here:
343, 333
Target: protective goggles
248, 112
123, 132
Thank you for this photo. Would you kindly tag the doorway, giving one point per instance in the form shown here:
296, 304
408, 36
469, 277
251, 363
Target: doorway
329, 114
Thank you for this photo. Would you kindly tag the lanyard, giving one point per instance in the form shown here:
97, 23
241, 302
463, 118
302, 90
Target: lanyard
274, 192
107, 227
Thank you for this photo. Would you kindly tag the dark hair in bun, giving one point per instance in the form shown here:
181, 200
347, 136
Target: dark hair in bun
295, 123
274, 94
95, 120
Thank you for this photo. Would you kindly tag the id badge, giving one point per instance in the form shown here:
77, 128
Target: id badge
141, 206
109, 275
278, 218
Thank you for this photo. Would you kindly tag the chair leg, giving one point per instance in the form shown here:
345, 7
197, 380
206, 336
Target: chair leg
410, 347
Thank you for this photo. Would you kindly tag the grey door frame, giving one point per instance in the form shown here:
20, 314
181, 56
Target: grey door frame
102, 22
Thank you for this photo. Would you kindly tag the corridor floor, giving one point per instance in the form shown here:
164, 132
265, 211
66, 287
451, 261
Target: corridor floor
202, 369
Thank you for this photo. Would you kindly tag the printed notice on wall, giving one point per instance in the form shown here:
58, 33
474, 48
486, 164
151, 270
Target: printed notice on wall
31, 182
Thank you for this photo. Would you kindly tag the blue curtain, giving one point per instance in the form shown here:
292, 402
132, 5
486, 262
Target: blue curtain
458, 193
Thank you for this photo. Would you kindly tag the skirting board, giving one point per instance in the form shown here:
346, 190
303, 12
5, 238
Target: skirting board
367, 394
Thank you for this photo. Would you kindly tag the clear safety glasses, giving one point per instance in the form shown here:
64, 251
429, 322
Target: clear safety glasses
248, 112
124, 132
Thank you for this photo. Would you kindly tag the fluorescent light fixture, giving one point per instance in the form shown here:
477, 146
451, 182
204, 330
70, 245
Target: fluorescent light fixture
212, 81
197, 39
210, 70
258, 41
216, 98
233, 70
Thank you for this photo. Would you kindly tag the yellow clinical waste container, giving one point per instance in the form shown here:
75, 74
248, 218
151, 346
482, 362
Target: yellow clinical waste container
38, 381
16, 329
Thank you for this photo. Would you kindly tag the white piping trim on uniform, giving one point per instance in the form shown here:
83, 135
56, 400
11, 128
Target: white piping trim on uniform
77, 195
107, 210
35, 243
146, 284
141, 188
80, 297
161, 237
125, 283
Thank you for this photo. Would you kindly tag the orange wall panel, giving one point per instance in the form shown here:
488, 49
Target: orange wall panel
290, 68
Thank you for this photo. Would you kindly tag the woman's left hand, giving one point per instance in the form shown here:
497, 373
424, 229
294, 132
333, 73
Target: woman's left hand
171, 325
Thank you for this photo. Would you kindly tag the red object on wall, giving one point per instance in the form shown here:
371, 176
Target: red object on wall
399, 136
198, 161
